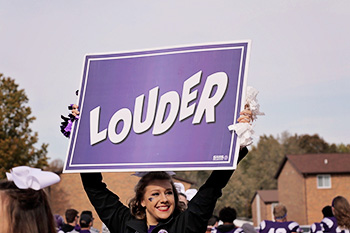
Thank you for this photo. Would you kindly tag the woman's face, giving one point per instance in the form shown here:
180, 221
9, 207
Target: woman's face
159, 201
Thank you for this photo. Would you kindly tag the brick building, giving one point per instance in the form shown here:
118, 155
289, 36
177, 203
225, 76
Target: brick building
69, 192
308, 182
263, 204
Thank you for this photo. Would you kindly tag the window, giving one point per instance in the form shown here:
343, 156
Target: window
324, 181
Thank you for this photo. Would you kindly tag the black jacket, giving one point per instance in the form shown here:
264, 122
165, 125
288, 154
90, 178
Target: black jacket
226, 228
118, 218
67, 228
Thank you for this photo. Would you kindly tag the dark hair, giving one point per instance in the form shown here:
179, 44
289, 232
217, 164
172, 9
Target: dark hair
327, 211
135, 206
88, 212
70, 215
27, 210
184, 195
341, 211
227, 214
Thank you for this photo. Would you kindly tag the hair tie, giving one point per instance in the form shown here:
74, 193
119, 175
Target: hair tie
34, 178
333, 202
282, 217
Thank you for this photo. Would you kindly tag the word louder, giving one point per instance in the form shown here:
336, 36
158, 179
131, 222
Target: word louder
156, 109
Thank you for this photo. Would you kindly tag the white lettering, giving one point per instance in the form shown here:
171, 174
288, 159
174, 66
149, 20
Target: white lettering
124, 115
95, 136
187, 96
138, 126
172, 100
206, 103
163, 116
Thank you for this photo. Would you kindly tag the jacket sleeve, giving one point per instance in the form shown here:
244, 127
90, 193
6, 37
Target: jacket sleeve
202, 205
107, 204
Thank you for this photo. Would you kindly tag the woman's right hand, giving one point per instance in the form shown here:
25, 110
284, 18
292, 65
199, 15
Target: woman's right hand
245, 116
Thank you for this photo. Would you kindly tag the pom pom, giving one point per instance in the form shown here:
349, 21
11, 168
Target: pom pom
244, 128
67, 123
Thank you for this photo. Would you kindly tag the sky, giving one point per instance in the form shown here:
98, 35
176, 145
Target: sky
299, 58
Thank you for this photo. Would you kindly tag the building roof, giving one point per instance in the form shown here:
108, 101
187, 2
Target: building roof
318, 163
267, 196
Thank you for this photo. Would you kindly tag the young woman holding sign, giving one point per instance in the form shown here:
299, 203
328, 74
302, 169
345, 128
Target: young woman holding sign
155, 206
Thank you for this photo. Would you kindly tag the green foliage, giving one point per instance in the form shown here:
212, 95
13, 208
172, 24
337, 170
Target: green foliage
255, 172
258, 169
310, 144
16, 137
341, 148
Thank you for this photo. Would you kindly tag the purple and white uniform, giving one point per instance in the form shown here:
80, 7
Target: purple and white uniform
329, 224
316, 228
278, 227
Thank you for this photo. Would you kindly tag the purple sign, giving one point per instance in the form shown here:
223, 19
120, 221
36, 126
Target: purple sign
165, 109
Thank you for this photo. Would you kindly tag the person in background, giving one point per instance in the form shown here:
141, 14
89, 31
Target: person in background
248, 228
281, 224
328, 223
85, 223
227, 215
92, 229
212, 223
59, 221
72, 218
182, 196
183, 201
341, 211
24, 205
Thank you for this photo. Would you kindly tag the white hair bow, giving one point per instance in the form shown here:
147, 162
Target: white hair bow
190, 193
180, 187
27, 177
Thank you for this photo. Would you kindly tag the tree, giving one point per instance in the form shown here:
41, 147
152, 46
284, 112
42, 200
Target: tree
342, 148
310, 144
313, 144
55, 166
16, 137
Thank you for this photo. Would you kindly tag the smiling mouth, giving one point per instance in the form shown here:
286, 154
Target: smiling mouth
163, 208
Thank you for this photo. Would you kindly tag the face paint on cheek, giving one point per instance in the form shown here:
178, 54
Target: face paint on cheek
150, 199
